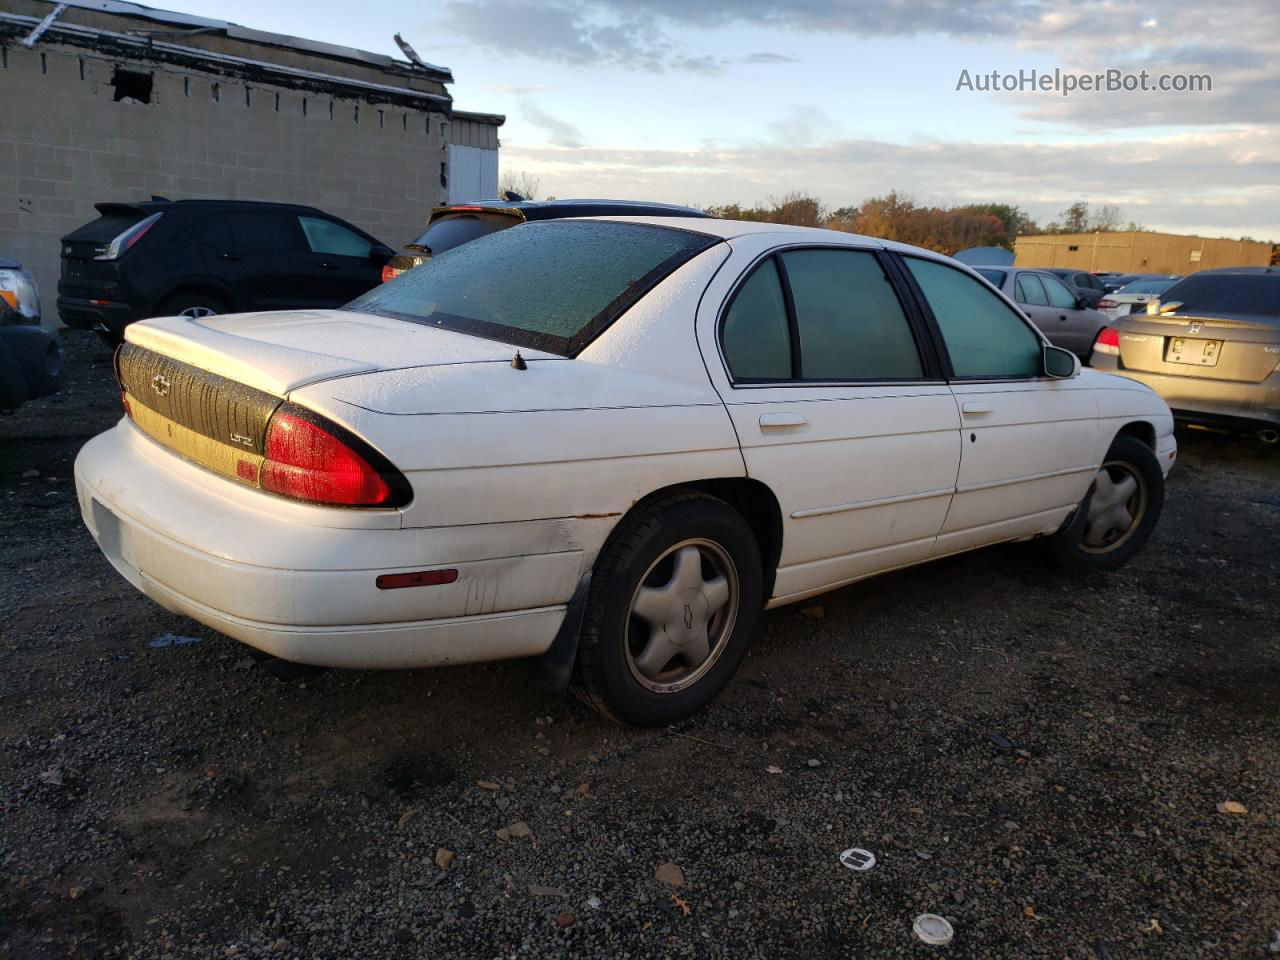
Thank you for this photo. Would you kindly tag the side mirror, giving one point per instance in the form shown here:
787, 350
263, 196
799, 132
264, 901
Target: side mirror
1060, 364
1082, 302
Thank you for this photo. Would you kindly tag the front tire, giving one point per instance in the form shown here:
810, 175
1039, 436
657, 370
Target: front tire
1118, 514
674, 601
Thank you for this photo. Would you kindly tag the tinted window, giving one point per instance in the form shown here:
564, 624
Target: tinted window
985, 337
1031, 291
215, 233
448, 233
1147, 286
266, 231
105, 228
756, 339
1224, 294
325, 236
994, 277
851, 325
1059, 295
552, 285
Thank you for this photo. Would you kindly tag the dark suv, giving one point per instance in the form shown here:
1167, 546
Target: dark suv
200, 257
453, 225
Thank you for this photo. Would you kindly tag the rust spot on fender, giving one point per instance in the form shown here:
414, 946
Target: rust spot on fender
595, 516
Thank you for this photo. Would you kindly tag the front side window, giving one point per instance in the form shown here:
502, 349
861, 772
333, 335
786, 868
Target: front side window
756, 337
984, 336
1059, 295
851, 325
1031, 291
325, 236
552, 285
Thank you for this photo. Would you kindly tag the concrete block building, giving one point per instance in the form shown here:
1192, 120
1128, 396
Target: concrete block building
103, 100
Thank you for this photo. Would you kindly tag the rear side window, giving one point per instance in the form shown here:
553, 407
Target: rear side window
1031, 290
1147, 286
552, 285
1059, 295
756, 338
984, 336
994, 277
1224, 294
449, 232
851, 325
105, 228
264, 231
325, 236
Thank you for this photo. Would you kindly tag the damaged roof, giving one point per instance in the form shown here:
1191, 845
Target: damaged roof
186, 21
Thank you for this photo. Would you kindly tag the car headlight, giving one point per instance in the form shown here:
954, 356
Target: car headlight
18, 295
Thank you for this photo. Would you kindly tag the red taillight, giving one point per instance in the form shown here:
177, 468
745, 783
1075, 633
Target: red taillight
389, 273
1108, 342
1106, 303
307, 461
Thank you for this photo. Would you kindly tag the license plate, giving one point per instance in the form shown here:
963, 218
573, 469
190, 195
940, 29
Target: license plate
1199, 353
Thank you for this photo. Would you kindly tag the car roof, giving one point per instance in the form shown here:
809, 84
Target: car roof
156, 204
554, 209
1237, 270
731, 229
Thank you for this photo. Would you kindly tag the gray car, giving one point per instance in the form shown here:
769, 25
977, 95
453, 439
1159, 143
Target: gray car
1061, 314
1210, 346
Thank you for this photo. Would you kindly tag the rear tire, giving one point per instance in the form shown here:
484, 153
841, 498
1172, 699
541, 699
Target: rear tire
193, 304
1119, 513
675, 598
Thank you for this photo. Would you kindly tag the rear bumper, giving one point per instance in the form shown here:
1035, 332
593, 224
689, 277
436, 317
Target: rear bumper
1223, 403
305, 591
86, 314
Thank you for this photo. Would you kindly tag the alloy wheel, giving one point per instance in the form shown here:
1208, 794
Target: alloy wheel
682, 614
1116, 506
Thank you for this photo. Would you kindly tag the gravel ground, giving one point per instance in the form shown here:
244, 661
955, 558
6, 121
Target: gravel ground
1040, 759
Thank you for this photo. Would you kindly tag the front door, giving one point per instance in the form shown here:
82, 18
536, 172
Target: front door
340, 264
1029, 443
837, 409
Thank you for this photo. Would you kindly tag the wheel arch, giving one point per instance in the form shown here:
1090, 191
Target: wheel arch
207, 285
751, 498
1140, 429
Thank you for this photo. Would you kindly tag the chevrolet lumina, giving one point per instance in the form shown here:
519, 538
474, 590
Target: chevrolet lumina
605, 444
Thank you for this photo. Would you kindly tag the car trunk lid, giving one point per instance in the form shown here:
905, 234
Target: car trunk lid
280, 351
1216, 348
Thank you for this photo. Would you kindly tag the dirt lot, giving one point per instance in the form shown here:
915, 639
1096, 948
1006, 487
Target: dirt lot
1039, 759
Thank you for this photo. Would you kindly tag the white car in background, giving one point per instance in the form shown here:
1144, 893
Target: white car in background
606, 444
1133, 297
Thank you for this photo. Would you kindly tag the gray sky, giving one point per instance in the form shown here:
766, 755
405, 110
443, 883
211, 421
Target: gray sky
713, 101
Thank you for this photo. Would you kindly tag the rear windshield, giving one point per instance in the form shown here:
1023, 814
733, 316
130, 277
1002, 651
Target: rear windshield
105, 228
1147, 286
994, 277
1228, 295
449, 232
551, 285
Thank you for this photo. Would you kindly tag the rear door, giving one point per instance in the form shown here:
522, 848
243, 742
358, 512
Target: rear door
838, 410
266, 264
1028, 443
340, 261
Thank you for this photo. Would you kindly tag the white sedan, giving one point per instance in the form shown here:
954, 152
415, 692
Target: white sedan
606, 444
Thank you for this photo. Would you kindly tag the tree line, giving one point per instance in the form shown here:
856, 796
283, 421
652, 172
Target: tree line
896, 216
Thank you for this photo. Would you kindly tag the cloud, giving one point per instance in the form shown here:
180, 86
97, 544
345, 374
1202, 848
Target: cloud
1237, 42
560, 133
516, 89
1225, 182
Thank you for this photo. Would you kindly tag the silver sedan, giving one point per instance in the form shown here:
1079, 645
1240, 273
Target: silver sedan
1062, 315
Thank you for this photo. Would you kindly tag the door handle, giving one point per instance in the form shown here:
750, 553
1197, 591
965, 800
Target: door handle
326, 265
1062, 316
974, 409
780, 421
228, 256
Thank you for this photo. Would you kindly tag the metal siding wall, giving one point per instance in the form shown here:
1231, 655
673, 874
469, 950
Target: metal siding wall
473, 173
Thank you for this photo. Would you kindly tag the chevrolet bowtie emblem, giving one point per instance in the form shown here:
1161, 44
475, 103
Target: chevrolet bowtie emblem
688, 617
160, 384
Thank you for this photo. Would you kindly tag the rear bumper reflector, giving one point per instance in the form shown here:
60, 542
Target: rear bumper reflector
419, 578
